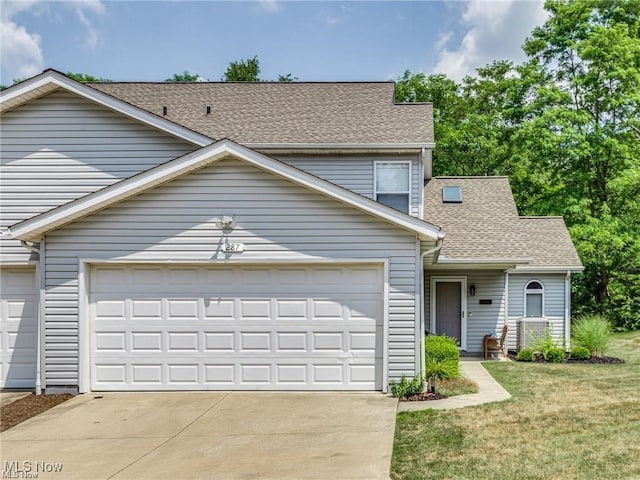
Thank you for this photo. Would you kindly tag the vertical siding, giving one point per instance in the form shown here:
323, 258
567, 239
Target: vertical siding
356, 172
553, 303
61, 147
176, 221
481, 319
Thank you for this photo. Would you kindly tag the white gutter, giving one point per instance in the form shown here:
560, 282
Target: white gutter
420, 267
340, 146
545, 269
41, 276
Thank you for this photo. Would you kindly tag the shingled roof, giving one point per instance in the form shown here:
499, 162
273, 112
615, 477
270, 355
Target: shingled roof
285, 113
486, 225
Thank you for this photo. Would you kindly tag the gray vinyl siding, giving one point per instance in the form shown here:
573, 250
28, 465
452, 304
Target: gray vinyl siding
61, 147
481, 319
176, 221
356, 172
554, 298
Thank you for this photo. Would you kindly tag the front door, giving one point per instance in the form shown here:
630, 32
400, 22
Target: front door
448, 308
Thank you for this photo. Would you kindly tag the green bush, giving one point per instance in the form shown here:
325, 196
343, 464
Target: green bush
406, 388
442, 357
553, 354
580, 353
526, 355
546, 346
592, 332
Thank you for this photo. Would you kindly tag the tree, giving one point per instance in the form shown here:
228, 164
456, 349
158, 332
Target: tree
587, 104
288, 78
243, 71
184, 77
84, 78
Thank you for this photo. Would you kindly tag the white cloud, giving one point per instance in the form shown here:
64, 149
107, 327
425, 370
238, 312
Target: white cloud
494, 30
20, 51
336, 17
268, 5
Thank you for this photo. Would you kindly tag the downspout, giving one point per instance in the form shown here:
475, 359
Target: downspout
506, 303
435, 250
35, 248
567, 311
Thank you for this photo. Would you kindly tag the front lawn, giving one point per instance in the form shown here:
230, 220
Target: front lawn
565, 421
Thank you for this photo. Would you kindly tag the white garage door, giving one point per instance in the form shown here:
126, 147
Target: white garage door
18, 327
250, 327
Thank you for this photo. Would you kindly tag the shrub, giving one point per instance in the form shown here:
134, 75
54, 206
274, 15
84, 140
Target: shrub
442, 357
592, 332
553, 354
406, 388
526, 355
580, 353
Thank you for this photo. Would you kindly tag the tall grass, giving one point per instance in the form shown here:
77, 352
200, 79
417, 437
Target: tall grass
591, 332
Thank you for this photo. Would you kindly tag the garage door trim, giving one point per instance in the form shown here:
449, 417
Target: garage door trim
84, 328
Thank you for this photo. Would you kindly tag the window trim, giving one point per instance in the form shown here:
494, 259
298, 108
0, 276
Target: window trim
375, 182
534, 291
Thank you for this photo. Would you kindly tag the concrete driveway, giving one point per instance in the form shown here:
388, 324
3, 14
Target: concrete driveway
218, 435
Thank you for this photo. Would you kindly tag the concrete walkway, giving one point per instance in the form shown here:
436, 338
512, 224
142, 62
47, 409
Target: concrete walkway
488, 391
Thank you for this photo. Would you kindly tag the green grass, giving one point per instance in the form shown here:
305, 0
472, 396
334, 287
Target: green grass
565, 421
456, 386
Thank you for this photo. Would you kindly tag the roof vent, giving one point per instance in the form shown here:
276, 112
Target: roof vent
164, 111
452, 194
208, 110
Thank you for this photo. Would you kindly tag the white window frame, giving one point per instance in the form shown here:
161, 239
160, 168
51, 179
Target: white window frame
533, 291
375, 181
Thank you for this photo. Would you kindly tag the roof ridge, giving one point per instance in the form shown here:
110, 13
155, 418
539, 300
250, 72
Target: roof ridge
537, 217
470, 177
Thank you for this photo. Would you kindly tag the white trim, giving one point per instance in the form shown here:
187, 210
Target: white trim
567, 311
545, 269
119, 191
536, 291
506, 299
482, 261
84, 309
417, 319
41, 340
409, 183
385, 326
84, 328
463, 305
50, 80
341, 146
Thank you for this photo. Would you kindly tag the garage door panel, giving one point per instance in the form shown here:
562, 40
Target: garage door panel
18, 328
270, 329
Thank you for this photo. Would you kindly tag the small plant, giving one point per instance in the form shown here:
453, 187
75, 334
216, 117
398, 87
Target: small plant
547, 347
580, 353
526, 355
553, 355
406, 388
592, 332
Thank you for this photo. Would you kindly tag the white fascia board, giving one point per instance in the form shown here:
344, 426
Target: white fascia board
36, 226
340, 147
528, 269
483, 261
11, 98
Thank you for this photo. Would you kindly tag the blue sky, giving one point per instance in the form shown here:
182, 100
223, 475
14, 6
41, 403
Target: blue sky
314, 41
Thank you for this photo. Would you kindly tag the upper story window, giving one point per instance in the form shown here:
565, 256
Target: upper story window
452, 194
534, 299
393, 184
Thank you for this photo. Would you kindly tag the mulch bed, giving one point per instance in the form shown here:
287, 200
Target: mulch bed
604, 360
27, 407
421, 397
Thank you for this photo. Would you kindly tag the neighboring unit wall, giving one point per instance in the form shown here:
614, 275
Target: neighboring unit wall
177, 221
554, 298
61, 147
481, 319
356, 172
